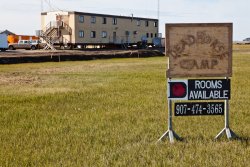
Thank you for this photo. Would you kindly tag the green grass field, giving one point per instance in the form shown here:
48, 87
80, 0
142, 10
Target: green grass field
111, 113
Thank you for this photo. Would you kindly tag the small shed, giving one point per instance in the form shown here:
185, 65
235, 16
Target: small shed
7, 32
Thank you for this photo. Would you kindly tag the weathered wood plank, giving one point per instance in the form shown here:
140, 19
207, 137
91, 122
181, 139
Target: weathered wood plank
199, 50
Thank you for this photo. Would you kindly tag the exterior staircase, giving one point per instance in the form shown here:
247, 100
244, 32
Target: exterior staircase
52, 33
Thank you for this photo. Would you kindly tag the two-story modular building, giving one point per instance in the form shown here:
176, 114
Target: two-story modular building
79, 28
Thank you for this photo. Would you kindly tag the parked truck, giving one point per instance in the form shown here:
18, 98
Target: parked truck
3, 42
25, 44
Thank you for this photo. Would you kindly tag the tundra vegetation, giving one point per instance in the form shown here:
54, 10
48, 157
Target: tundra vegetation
111, 113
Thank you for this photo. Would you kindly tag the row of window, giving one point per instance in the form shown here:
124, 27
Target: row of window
114, 21
104, 34
93, 34
151, 35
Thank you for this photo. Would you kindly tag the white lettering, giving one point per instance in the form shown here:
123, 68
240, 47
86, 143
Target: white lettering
219, 84
195, 94
203, 84
225, 93
216, 84
216, 94
197, 84
212, 94
191, 95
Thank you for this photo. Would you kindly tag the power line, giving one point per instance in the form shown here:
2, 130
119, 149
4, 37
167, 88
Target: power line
49, 5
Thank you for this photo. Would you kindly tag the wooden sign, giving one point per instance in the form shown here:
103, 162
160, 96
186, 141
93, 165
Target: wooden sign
199, 50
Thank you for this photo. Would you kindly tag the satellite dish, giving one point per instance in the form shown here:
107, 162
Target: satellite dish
157, 41
144, 38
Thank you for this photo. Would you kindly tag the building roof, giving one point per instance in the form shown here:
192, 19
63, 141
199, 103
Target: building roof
7, 32
106, 15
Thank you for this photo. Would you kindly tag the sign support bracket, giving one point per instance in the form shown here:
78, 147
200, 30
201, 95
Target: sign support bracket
229, 133
170, 133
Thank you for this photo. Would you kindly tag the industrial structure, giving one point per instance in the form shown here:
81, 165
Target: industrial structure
79, 29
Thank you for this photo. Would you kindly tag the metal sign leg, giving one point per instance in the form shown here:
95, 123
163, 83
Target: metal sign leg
170, 132
229, 133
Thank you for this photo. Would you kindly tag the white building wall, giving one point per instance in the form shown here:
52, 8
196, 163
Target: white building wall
123, 24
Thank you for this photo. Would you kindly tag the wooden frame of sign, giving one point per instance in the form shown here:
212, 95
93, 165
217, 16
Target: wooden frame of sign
199, 50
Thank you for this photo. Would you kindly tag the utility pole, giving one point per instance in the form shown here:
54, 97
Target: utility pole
41, 6
158, 10
158, 17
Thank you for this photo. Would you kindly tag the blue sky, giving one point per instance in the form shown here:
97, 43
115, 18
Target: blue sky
23, 16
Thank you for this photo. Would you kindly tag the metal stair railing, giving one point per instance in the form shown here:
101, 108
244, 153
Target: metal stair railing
48, 40
67, 28
51, 33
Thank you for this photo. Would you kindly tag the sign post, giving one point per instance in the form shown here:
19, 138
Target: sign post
170, 132
199, 50
230, 134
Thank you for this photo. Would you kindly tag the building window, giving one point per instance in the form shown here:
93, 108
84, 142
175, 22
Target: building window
92, 34
155, 24
104, 20
114, 21
152, 35
146, 23
93, 19
156, 35
147, 35
81, 19
138, 23
135, 32
81, 34
127, 33
104, 34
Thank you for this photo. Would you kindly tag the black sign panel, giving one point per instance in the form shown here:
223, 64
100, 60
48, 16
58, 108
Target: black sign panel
199, 108
208, 89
